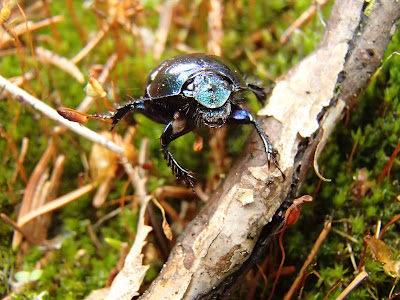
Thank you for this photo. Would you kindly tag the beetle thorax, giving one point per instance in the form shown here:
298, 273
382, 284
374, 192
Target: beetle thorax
209, 89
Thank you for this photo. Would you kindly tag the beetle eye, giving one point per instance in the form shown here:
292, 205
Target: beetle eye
190, 87
188, 90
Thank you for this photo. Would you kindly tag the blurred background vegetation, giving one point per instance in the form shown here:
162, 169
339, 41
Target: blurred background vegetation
360, 196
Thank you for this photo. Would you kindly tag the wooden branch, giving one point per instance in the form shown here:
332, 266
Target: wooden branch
241, 217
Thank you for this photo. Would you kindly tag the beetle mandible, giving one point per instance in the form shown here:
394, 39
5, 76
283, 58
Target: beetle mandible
191, 90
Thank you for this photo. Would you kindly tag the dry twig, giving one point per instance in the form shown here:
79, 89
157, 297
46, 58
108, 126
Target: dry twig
359, 278
300, 276
51, 113
304, 18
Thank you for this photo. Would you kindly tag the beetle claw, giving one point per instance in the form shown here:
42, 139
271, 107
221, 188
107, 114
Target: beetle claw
188, 179
179, 172
271, 156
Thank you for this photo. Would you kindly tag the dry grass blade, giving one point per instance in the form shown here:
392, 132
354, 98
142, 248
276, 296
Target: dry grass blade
21, 158
304, 18
110, 64
216, 32
49, 57
6, 39
359, 278
31, 189
318, 243
128, 281
163, 28
165, 226
57, 203
90, 45
47, 194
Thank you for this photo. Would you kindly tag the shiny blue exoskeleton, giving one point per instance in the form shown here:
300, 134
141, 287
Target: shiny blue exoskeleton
187, 91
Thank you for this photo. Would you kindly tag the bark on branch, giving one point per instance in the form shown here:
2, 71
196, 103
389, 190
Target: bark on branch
238, 222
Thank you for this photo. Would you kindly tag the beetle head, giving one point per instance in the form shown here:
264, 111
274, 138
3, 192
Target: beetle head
212, 92
209, 89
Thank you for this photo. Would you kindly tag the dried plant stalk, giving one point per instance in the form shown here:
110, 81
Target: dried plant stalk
305, 17
300, 276
6, 39
215, 30
128, 281
21, 157
49, 57
359, 278
90, 45
110, 64
51, 113
55, 204
163, 28
31, 188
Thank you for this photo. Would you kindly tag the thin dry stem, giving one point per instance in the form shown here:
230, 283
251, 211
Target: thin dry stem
163, 28
21, 158
215, 30
333, 288
110, 64
51, 113
32, 51
20, 230
49, 57
57, 203
31, 191
304, 18
14, 152
318, 243
77, 24
90, 45
359, 278
20, 29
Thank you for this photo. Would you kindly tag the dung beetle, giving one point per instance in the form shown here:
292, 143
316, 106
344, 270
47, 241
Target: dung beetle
190, 90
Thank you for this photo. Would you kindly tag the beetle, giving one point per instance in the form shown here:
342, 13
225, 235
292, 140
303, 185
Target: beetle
192, 90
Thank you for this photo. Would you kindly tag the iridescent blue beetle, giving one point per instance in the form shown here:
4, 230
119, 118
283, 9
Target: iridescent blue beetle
187, 91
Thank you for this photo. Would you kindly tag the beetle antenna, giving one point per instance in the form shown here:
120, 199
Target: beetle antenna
258, 91
80, 117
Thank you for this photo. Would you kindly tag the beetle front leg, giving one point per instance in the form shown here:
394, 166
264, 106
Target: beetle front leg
123, 110
242, 116
172, 131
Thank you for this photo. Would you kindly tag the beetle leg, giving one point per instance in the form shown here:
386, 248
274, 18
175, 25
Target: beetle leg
242, 116
123, 110
172, 131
